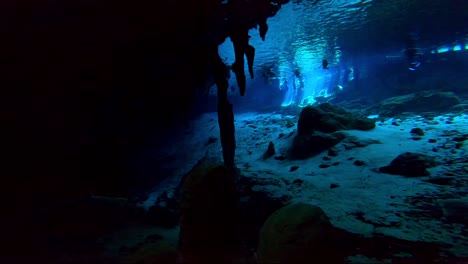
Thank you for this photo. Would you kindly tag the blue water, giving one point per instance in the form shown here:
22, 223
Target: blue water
350, 35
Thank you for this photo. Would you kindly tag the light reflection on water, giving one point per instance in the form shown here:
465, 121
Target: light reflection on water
343, 32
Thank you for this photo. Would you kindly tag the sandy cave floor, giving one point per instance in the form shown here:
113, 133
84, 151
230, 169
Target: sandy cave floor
392, 205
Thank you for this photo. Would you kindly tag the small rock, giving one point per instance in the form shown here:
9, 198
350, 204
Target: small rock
336, 163
280, 135
359, 163
410, 165
281, 157
394, 123
298, 181
293, 168
417, 131
334, 185
326, 158
332, 152
431, 140
440, 180
270, 151
460, 138
323, 166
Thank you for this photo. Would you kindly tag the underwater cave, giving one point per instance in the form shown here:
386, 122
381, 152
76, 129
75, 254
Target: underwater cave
234, 131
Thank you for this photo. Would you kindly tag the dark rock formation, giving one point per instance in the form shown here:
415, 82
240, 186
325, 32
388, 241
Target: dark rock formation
297, 233
100, 78
359, 163
165, 212
441, 180
417, 131
328, 118
410, 164
209, 224
234, 19
256, 207
293, 168
270, 151
354, 142
427, 101
242, 16
305, 146
318, 129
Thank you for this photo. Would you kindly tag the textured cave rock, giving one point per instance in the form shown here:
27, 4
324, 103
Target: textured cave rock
297, 233
209, 224
328, 118
89, 95
108, 86
410, 164
240, 17
318, 129
305, 146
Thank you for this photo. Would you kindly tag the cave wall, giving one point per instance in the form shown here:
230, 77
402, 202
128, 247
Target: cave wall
89, 86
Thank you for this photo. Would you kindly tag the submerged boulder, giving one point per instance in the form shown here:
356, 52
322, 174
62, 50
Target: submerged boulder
305, 146
209, 224
410, 164
318, 129
297, 233
328, 118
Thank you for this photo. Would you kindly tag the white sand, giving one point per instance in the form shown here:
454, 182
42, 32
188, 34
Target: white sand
380, 197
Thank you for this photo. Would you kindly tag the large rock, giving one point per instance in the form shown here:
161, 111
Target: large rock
426, 101
305, 146
328, 118
410, 164
297, 233
318, 129
209, 224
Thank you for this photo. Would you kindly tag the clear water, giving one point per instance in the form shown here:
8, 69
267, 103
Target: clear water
349, 35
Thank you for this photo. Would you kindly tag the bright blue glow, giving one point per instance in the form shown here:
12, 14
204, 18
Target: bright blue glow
312, 80
456, 48
466, 46
315, 82
442, 49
